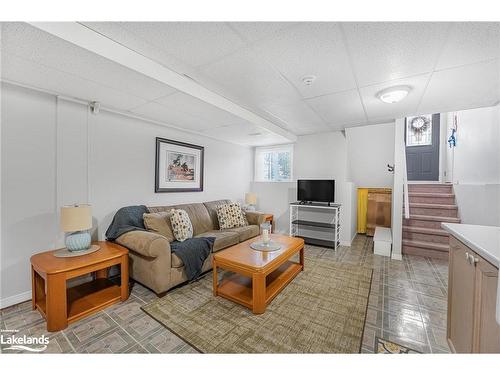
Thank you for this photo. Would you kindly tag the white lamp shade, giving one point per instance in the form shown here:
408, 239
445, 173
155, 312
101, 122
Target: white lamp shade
76, 218
250, 198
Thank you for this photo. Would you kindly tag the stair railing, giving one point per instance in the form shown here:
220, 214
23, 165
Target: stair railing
406, 205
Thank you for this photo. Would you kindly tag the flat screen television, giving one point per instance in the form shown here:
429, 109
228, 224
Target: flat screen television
316, 191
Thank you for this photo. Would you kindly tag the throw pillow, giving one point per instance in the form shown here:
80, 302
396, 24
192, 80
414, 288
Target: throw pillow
230, 215
181, 225
159, 222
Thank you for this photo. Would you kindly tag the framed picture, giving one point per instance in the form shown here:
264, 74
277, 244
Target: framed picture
179, 166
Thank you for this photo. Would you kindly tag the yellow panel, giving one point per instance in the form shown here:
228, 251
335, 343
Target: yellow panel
362, 209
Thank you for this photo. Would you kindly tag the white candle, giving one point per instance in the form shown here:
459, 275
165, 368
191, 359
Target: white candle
265, 236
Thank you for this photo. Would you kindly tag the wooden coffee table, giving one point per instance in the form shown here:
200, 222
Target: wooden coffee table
260, 276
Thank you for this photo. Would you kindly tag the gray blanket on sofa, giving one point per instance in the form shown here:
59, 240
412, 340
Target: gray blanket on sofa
126, 220
193, 253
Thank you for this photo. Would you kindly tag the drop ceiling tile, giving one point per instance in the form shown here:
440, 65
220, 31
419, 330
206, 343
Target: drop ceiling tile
242, 76
255, 31
377, 109
30, 43
384, 51
339, 109
196, 107
246, 134
28, 73
471, 42
310, 49
469, 86
170, 116
295, 114
115, 31
195, 43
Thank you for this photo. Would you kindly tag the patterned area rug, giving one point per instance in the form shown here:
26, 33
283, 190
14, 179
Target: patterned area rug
323, 310
383, 346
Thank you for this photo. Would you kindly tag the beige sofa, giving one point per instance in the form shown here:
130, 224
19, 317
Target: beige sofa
151, 261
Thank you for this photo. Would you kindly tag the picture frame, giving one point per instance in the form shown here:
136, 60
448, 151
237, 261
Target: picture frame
178, 166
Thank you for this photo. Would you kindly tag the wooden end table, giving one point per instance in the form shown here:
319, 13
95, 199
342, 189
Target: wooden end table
259, 276
270, 218
61, 306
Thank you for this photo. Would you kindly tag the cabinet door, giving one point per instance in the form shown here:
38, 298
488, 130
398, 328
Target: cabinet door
461, 297
487, 330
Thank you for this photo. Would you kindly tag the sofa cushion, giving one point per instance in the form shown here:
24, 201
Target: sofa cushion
246, 232
197, 212
181, 225
223, 239
231, 215
159, 222
212, 211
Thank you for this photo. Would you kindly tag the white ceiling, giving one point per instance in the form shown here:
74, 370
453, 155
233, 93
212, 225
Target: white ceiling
260, 66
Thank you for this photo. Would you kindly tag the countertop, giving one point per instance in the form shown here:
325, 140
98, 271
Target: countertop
484, 240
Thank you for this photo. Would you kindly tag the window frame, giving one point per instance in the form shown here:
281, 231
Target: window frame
262, 149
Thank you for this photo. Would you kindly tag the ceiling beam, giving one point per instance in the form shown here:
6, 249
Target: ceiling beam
88, 39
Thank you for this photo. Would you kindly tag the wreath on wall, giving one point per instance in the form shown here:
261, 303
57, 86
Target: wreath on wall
419, 124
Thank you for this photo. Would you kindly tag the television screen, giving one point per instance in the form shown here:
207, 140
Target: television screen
316, 190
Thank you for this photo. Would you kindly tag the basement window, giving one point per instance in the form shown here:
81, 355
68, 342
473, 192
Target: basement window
273, 164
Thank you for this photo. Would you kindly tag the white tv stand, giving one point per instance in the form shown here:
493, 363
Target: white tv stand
308, 218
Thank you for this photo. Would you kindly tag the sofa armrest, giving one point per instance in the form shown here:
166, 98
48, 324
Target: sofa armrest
255, 217
147, 244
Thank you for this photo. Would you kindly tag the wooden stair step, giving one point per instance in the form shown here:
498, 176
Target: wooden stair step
443, 219
433, 231
426, 245
434, 205
421, 194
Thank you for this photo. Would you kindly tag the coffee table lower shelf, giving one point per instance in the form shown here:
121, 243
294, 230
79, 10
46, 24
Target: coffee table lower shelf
238, 288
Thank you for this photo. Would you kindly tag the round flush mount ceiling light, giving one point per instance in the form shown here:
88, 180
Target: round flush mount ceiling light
308, 80
393, 94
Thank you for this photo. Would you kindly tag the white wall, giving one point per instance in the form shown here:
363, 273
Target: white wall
477, 154
475, 165
318, 156
55, 152
369, 150
397, 188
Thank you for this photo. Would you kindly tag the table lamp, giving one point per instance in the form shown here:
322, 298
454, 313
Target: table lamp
76, 220
250, 201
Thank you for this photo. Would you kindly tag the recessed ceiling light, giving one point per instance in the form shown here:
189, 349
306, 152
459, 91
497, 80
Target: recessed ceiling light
308, 80
393, 94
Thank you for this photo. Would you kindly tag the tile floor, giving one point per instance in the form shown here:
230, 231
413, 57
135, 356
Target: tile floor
407, 305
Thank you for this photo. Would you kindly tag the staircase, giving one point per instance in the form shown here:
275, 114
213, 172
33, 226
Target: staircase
430, 205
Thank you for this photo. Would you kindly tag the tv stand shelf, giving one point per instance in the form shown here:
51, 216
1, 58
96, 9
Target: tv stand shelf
314, 221
308, 223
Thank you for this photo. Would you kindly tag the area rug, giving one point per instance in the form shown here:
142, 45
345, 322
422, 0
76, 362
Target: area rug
383, 346
323, 310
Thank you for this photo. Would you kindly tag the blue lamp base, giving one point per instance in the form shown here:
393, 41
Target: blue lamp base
78, 241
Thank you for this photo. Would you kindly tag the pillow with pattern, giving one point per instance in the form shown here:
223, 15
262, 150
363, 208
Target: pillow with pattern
181, 225
230, 215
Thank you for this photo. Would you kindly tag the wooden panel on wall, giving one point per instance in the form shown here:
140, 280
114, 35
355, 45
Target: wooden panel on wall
378, 209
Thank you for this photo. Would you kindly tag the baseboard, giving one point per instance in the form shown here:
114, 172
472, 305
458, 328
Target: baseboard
348, 243
396, 256
14, 300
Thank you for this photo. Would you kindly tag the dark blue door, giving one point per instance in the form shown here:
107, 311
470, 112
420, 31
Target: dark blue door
422, 147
